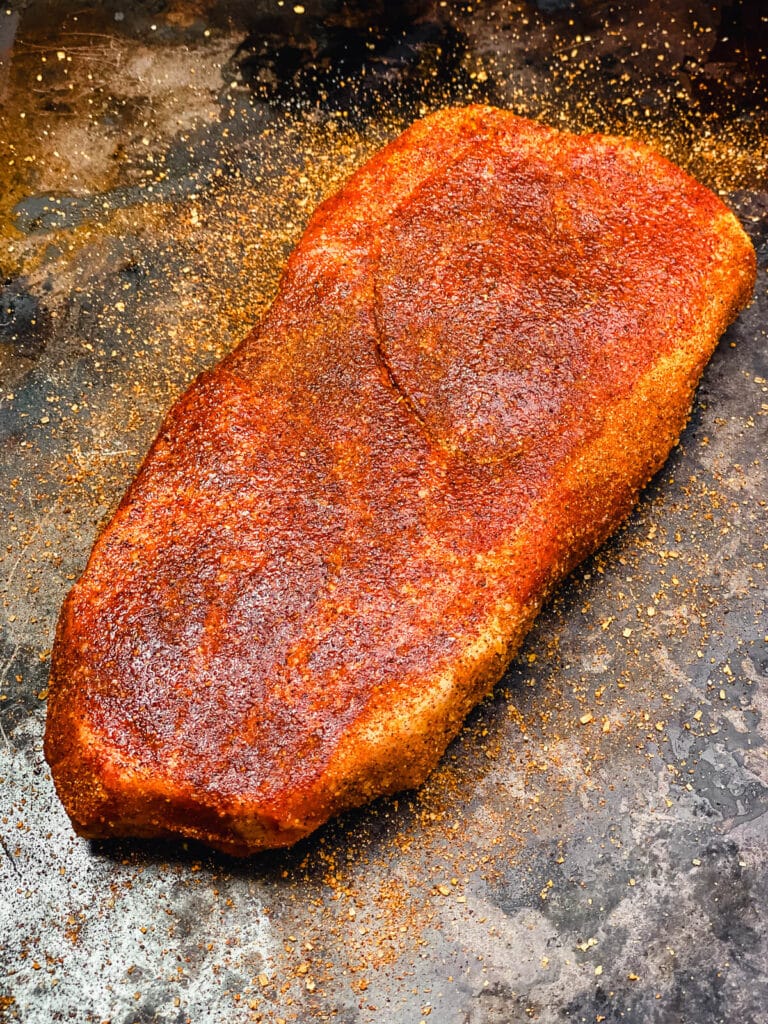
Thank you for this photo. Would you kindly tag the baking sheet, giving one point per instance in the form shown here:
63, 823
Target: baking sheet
593, 846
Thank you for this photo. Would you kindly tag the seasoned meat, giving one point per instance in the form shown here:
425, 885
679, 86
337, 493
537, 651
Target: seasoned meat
481, 350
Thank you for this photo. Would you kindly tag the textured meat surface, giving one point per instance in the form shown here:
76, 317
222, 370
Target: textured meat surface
481, 350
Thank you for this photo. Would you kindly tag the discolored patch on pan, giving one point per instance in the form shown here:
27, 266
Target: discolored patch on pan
25, 323
356, 59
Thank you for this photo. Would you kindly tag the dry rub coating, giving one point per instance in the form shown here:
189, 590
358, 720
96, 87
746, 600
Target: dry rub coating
481, 350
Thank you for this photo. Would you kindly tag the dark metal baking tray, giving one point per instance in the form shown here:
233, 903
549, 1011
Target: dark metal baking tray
594, 844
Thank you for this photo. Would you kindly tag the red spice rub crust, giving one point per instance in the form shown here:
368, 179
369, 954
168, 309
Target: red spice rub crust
481, 350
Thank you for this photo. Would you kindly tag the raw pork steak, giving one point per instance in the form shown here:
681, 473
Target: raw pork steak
481, 350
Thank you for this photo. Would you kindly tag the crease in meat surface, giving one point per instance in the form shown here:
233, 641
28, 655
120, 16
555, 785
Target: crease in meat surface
376, 301
481, 350
381, 353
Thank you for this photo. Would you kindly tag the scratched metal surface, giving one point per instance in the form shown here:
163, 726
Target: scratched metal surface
594, 845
